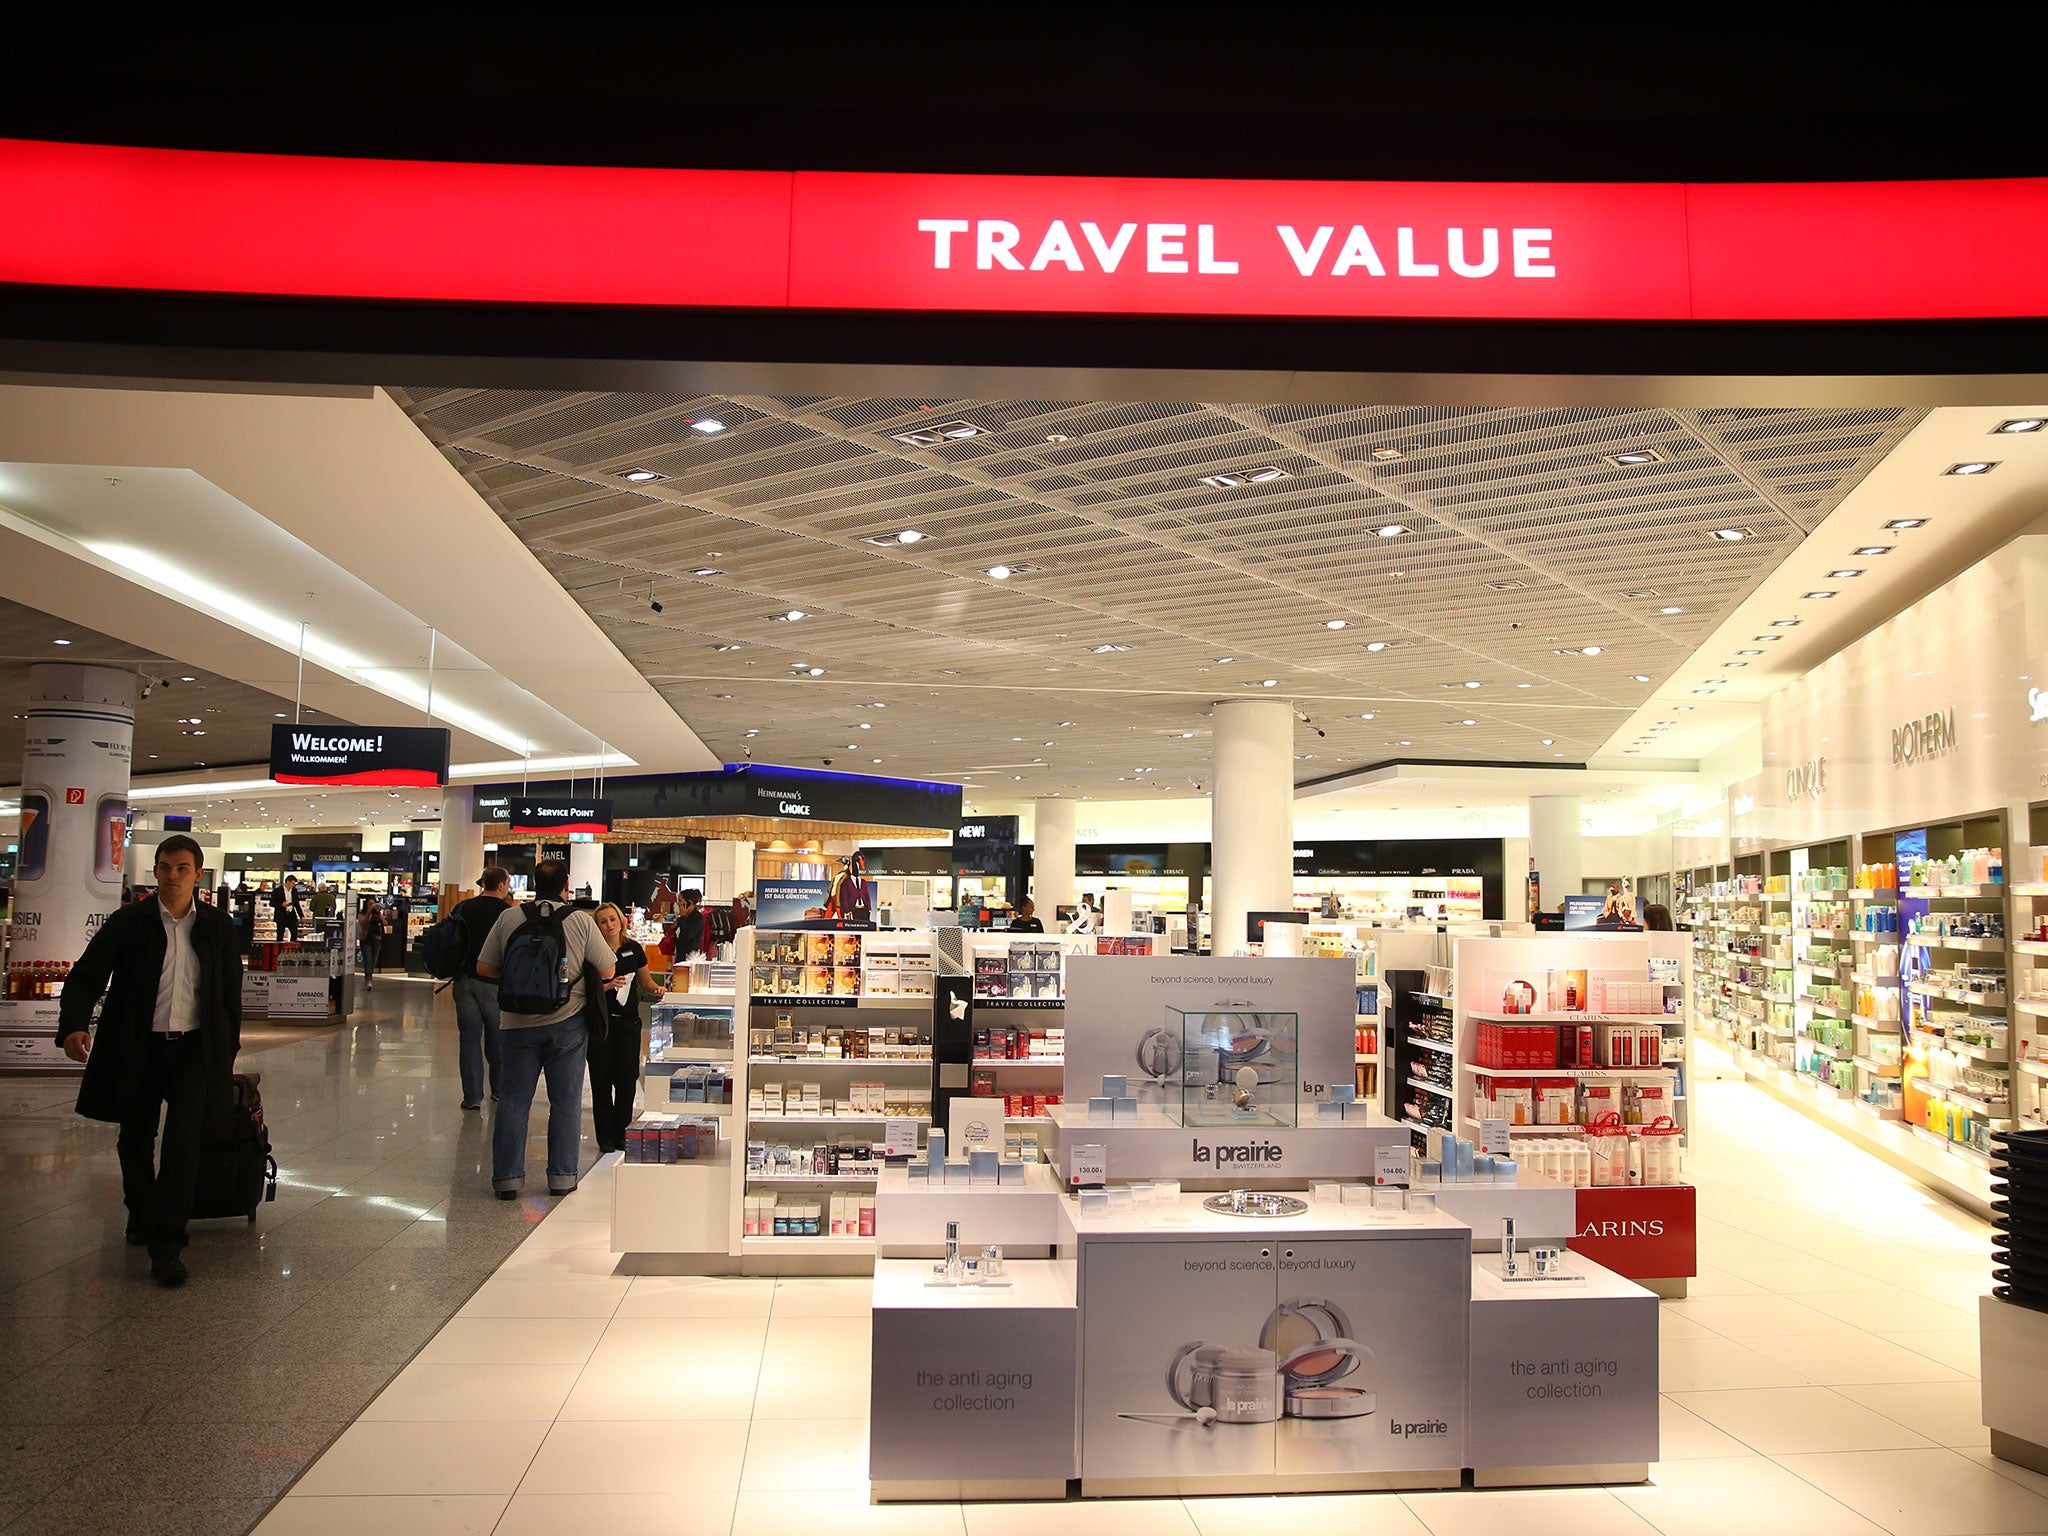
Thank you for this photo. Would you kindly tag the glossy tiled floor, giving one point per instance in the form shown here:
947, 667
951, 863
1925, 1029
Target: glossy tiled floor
129, 1408
1819, 1379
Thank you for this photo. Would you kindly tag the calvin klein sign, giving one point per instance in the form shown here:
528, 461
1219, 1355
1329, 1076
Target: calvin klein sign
1932, 735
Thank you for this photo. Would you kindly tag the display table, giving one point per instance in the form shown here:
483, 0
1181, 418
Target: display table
1025, 1220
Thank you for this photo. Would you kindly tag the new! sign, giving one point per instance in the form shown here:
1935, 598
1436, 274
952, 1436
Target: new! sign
412, 756
185, 221
558, 816
1649, 1233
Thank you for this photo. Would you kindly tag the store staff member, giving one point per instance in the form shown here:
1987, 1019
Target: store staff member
1024, 922
1087, 919
165, 1046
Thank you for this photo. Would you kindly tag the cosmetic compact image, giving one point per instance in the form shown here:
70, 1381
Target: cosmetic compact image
1220, 1384
1322, 1368
1236, 1067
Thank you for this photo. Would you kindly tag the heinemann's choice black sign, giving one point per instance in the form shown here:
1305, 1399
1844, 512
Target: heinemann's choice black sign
399, 756
558, 816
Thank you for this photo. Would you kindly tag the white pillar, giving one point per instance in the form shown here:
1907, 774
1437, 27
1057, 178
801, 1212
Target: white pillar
462, 846
586, 867
1554, 845
1052, 852
1251, 815
728, 870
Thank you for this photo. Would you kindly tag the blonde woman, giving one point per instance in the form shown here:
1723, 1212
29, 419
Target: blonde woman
615, 1060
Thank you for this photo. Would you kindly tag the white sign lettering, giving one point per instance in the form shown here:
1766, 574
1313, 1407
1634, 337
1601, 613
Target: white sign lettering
1809, 778
1932, 735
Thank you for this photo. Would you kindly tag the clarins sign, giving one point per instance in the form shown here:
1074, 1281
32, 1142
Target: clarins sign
1932, 735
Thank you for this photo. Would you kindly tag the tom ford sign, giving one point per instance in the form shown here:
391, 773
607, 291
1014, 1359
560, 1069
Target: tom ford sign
1932, 735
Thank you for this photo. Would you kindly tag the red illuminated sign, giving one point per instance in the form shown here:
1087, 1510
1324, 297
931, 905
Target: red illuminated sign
93, 216
1647, 1233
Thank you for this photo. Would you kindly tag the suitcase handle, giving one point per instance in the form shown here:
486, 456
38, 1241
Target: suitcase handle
270, 1180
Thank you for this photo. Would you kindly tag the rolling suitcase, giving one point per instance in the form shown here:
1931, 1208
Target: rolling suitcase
239, 1174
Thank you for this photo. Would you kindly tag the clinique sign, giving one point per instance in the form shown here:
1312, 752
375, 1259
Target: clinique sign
1932, 735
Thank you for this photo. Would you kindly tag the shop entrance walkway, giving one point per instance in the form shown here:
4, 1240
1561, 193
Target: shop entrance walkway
125, 1407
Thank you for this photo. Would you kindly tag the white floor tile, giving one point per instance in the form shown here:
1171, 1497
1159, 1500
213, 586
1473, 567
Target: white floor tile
1956, 1348
1743, 1493
1315, 1514
2024, 1476
813, 1391
1778, 1421
1535, 1512
682, 1341
824, 1296
697, 1296
457, 1515
406, 1458
1882, 1311
1674, 1324
1683, 1435
1947, 1412
1788, 1277
513, 1341
531, 1261
806, 1455
629, 1389
1102, 1517
1743, 1317
840, 1512
546, 1298
445, 1393
1840, 1359
1927, 1493
1714, 1281
596, 1514
639, 1458
1712, 1365
838, 1340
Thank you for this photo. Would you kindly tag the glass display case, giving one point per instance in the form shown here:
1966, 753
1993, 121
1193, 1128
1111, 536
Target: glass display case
1237, 1067
682, 1031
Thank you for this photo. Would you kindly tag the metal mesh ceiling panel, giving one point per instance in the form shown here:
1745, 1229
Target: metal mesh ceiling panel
1519, 539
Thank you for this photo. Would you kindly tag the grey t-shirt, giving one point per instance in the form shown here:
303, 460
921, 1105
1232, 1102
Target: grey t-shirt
580, 936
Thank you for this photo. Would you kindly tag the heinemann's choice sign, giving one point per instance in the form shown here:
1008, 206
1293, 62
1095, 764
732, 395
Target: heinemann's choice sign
397, 756
544, 816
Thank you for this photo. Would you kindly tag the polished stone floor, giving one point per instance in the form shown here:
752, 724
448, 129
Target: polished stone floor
128, 1408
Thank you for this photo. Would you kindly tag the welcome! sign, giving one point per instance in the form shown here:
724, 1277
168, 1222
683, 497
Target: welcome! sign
186, 221
398, 756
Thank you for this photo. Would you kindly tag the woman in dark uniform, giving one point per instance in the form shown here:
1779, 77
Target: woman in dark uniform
615, 1060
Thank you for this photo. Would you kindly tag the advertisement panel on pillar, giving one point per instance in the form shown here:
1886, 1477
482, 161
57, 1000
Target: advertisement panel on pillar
76, 754
987, 846
387, 756
537, 817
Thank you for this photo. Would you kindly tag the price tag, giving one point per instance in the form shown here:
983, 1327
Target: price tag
1494, 1139
899, 1138
1089, 1168
1390, 1165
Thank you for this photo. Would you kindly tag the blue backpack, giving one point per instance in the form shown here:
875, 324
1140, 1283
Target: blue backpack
443, 947
534, 976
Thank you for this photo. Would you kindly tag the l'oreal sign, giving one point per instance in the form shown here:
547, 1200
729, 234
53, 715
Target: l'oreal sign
1932, 735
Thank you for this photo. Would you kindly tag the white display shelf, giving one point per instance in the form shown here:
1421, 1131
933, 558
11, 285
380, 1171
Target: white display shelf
1990, 1109
1427, 1045
1883, 940
1950, 892
1591, 1074
1953, 1148
714, 999
838, 1246
840, 1061
1018, 1061
2033, 1068
1956, 995
1531, 1130
812, 1178
2037, 1005
2030, 947
858, 1000
1363, 1058
832, 1119
1828, 1008
1877, 1068
1940, 941
1563, 1016
1445, 1093
2030, 888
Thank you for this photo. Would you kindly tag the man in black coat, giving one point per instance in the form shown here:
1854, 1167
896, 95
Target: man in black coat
165, 1046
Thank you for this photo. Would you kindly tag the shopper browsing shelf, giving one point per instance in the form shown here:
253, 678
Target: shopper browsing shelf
370, 941
285, 909
1025, 921
537, 954
476, 1000
615, 1059
685, 936
165, 1045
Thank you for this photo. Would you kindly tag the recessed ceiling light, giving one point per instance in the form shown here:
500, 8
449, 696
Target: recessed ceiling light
1732, 535
1271, 682
1367, 716
1973, 467
1786, 623
639, 476
1682, 709
1817, 596
1752, 653
725, 647
60, 642
1703, 692
1525, 685
1633, 457
1336, 623
1640, 593
1899, 523
1384, 454
1591, 650
1391, 530
1104, 650
1472, 685
1508, 586
999, 572
790, 617
1734, 663
707, 425
1638, 677
1468, 722
1550, 741
1674, 608
1872, 549
1267, 473
707, 570
2022, 424
1843, 575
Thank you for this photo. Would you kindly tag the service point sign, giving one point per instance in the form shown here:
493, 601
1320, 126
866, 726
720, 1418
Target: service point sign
539, 817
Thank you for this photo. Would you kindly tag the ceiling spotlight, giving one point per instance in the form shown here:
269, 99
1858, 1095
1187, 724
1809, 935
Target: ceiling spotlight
1817, 596
1271, 682
1682, 709
1674, 608
2022, 424
1507, 586
1384, 454
1472, 685
1641, 593
707, 570
1872, 549
1973, 467
1591, 650
1222, 482
1468, 722
60, 642
1104, 650
639, 476
1057, 437
999, 572
1525, 685
790, 617
1223, 660
1842, 575
1391, 530
1753, 653
1898, 523
1703, 692
1637, 677
1550, 741
1786, 623
707, 425
1732, 535
1367, 716
1268, 473
817, 671
1336, 623
1734, 663
654, 604
1634, 457
1376, 645
726, 647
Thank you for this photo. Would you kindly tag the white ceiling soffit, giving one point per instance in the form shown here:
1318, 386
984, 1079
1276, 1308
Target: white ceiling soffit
1520, 540
267, 497
1869, 571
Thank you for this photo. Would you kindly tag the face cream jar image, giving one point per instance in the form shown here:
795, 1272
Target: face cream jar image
1247, 1386
1191, 1378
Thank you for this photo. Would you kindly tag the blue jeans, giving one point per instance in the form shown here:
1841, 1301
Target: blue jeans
476, 1017
558, 1050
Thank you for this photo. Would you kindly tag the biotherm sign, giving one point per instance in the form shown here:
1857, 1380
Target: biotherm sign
545, 816
398, 756
186, 221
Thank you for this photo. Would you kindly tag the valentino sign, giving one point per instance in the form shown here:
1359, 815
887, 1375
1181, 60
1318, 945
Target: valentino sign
1932, 735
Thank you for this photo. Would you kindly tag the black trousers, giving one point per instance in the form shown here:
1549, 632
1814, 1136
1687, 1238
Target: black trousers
614, 1075
157, 1186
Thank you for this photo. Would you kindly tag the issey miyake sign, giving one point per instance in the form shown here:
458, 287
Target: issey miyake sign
396, 756
544, 816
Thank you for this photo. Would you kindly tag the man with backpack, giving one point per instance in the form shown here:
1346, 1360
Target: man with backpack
476, 1000
538, 956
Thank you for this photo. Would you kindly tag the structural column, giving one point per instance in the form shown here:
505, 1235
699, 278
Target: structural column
1251, 816
586, 867
1052, 852
728, 871
462, 846
1555, 848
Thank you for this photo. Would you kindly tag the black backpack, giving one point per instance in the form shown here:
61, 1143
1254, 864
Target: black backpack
443, 946
239, 1174
532, 977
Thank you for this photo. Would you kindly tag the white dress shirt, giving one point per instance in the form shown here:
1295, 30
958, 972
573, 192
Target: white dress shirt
177, 986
